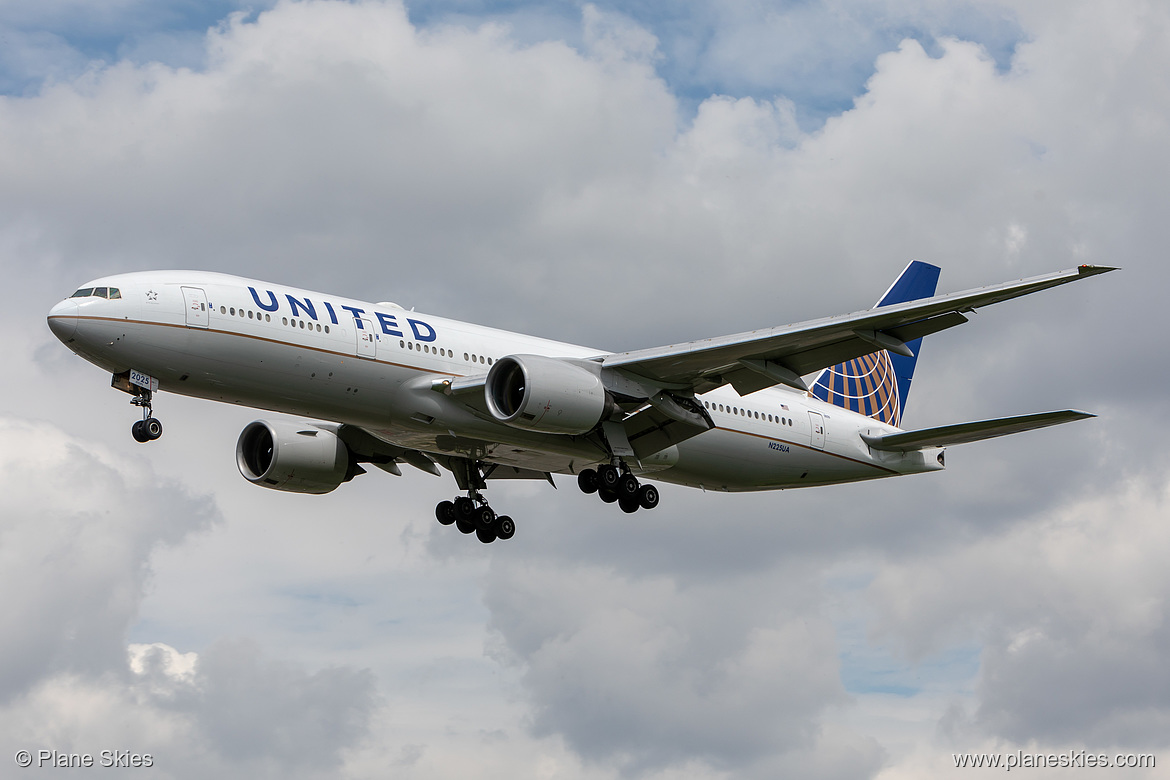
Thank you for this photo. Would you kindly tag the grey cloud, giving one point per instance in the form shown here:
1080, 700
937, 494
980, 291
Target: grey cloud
1069, 606
232, 713
249, 708
652, 673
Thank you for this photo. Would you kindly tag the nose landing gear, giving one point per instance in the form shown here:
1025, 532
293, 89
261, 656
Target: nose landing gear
141, 388
148, 428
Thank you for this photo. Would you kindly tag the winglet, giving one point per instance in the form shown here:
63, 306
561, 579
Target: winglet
1093, 270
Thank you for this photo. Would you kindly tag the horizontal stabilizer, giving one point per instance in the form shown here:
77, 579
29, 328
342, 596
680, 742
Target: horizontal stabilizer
970, 431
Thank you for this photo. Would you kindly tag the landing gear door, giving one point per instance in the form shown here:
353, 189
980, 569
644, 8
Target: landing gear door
195, 303
367, 340
817, 421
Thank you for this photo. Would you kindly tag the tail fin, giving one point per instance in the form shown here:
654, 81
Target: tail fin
877, 384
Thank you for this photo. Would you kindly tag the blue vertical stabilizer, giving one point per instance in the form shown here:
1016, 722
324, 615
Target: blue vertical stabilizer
877, 384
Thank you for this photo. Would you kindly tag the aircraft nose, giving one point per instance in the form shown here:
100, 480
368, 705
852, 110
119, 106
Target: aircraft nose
63, 320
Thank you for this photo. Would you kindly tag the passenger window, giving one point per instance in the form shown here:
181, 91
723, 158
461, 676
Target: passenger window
465, 356
284, 320
302, 324
489, 361
233, 311
268, 318
326, 328
481, 358
223, 310
249, 314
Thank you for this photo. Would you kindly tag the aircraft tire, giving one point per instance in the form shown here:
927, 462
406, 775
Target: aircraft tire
445, 512
485, 520
587, 481
648, 496
464, 526
138, 431
487, 536
505, 527
627, 487
608, 496
464, 508
608, 477
153, 429
629, 504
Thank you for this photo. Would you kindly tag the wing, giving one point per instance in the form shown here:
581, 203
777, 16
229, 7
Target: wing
963, 433
370, 447
763, 358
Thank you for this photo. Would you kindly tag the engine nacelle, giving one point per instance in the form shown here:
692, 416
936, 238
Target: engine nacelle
545, 394
297, 457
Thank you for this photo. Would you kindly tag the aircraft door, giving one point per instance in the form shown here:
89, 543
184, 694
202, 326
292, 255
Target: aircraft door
195, 303
367, 339
817, 420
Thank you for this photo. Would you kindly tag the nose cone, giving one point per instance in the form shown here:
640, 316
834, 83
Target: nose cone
63, 320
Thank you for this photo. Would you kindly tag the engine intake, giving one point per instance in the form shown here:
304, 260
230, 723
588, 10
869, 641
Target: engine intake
295, 457
544, 394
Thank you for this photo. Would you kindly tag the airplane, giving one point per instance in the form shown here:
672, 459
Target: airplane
384, 386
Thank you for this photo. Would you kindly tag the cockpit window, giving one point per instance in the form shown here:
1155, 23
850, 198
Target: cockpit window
113, 293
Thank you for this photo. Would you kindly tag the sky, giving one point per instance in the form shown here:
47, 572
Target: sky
622, 175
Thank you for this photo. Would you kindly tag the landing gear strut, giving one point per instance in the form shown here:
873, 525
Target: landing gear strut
471, 513
613, 484
148, 428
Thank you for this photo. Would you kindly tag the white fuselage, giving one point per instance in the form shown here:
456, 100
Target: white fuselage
320, 356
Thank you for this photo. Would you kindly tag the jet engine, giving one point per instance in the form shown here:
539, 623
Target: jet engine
296, 457
545, 394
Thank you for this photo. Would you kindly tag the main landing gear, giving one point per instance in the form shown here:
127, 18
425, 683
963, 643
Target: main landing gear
614, 484
471, 513
148, 428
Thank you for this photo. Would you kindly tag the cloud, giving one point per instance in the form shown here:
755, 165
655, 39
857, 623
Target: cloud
1069, 607
568, 190
228, 712
652, 672
80, 526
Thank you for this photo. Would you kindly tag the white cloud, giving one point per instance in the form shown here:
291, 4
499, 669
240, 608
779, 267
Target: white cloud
1069, 606
80, 526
